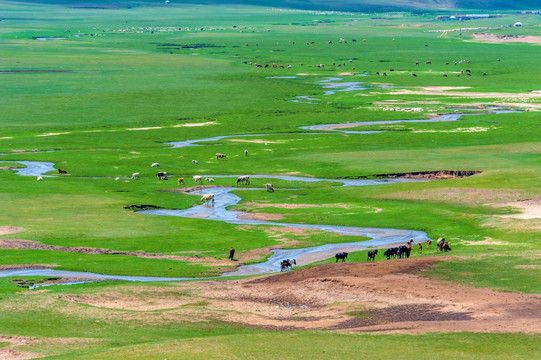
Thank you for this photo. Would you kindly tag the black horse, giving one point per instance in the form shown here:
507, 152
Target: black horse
372, 255
342, 256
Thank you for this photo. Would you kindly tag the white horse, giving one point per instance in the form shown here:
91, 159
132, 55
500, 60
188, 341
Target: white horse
135, 176
198, 179
155, 165
269, 187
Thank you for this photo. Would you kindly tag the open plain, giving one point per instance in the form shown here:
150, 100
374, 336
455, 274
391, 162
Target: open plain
141, 141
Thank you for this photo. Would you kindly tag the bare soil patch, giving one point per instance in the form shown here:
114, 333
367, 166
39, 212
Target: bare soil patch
506, 38
444, 91
6, 230
387, 296
530, 208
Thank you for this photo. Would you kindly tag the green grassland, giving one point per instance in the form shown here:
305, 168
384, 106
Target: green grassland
73, 101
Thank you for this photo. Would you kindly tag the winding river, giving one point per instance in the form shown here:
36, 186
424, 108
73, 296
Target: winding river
380, 237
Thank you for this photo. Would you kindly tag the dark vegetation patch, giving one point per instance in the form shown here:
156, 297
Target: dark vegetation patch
141, 207
401, 313
436, 174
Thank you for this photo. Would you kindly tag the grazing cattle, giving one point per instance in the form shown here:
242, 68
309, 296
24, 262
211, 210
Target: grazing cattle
208, 198
269, 187
194, 162
245, 179
444, 75
287, 264
231, 254
245, 152
429, 62
220, 156
440, 243
372, 255
341, 256
484, 73
209, 180
60, 171
420, 250
445, 247
198, 179
180, 181
162, 175
391, 69
416, 63
320, 66
40, 178
428, 243
117, 178
155, 165
135, 176
413, 74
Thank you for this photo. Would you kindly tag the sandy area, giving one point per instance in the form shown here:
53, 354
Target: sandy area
445, 91
506, 38
197, 124
54, 134
530, 208
391, 295
5, 230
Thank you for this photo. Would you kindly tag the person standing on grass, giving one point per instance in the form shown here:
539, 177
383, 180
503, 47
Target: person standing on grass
231, 253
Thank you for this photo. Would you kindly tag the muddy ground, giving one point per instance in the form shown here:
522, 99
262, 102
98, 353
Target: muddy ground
385, 297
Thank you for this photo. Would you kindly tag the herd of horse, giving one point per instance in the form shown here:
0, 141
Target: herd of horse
398, 252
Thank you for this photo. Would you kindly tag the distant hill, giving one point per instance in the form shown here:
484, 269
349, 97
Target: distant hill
341, 5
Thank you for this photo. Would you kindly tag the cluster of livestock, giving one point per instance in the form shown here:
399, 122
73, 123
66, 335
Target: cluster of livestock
398, 252
207, 198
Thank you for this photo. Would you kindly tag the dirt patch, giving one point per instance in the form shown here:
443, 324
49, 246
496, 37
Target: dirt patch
485, 242
8, 167
444, 91
197, 124
260, 216
54, 134
530, 208
506, 38
25, 266
295, 206
387, 296
5, 230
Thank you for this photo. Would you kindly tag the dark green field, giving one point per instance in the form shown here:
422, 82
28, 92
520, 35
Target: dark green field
100, 88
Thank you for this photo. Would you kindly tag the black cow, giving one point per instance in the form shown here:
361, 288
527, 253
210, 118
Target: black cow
341, 256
